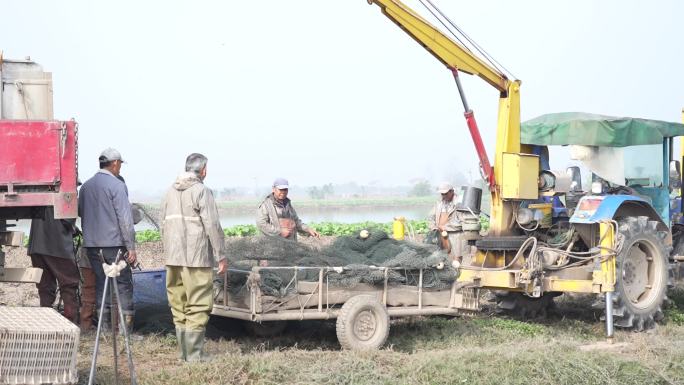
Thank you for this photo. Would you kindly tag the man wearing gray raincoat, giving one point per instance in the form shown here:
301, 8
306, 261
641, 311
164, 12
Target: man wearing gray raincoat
193, 243
276, 216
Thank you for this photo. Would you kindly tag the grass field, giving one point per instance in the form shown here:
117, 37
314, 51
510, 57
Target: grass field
484, 349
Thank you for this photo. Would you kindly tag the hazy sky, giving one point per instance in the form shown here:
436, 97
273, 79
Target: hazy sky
329, 91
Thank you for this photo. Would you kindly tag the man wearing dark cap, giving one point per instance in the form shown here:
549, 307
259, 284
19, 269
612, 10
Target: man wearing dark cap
277, 217
108, 231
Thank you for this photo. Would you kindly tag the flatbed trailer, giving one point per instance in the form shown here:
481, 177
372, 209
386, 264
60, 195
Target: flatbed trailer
362, 310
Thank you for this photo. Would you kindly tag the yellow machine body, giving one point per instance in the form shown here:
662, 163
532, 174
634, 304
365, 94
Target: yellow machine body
516, 170
519, 176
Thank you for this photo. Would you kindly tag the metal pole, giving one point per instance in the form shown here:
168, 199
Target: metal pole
607, 234
384, 287
454, 71
609, 316
127, 342
113, 321
320, 290
225, 288
97, 335
420, 290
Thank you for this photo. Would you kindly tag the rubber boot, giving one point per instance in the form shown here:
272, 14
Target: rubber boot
180, 337
71, 312
194, 345
128, 324
70, 300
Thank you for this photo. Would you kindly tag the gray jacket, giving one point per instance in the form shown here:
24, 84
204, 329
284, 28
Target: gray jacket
454, 223
105, 212
190, 228
268, 221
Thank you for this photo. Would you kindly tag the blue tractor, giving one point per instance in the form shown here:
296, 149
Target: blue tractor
632, 183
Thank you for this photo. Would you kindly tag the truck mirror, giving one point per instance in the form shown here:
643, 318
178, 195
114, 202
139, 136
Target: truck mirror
576, 178
675, 175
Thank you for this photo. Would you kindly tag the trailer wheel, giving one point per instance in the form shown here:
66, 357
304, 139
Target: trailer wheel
266, 328
363, 323
642, 275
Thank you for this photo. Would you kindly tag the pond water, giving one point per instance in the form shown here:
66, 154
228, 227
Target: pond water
336, 214
308, 215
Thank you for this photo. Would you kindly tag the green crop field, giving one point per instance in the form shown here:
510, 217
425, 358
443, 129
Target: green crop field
324, 228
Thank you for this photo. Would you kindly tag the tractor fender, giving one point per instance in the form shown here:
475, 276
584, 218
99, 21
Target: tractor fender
620, 206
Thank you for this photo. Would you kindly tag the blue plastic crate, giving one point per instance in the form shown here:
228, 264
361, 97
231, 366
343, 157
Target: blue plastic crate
149, 287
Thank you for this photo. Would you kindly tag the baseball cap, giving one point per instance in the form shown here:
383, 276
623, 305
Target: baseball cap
110, 154
444, 188
281, 183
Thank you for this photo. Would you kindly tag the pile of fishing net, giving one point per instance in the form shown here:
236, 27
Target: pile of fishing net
355, 258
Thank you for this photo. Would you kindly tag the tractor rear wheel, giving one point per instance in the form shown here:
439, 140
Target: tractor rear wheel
642, 268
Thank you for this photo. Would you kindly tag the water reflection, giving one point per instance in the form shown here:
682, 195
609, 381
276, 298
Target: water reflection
336, 214
307, 214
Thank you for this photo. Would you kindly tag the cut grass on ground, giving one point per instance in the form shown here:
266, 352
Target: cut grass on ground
436, 350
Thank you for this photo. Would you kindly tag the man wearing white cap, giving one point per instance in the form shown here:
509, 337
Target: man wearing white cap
277, 217
108, 230
444, 218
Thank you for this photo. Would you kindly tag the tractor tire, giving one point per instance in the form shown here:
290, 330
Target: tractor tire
265, 329
363, 323
643, 274
518, 305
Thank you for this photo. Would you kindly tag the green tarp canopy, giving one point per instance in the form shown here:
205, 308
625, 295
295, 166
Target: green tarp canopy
596, 130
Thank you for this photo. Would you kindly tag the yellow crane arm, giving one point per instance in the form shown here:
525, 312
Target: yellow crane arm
449, 52
457, 58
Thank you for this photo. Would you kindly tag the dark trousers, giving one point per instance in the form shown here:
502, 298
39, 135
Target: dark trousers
88, 298
61, 272
124, 280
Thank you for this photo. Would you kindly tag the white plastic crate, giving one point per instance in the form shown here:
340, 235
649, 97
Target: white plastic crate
37, 346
